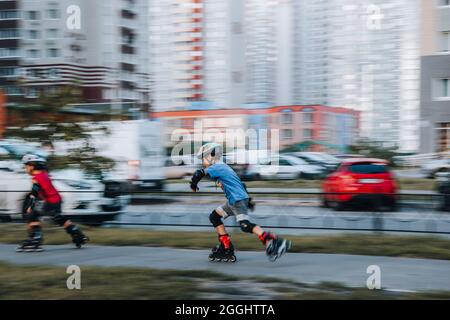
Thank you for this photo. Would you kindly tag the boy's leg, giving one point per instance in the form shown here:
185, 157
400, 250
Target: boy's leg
78, 237
216, 220
275, 246
34, 240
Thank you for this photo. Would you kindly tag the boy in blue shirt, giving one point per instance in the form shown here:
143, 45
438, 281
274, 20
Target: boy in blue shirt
238, 203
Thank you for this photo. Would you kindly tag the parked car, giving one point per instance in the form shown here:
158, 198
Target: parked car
348, 155
16, 149
284, 167
363, 181
94, 205
242, 161
443, 189
318, 159
433, 167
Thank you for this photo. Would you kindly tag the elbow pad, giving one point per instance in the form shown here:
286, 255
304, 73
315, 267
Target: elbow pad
35, 190
198, 175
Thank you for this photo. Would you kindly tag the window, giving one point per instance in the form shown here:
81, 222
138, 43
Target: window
33, 15
32, 93
9, 33
443, 136
307, 117
33, 54
441, 89
52, 14
53, 73
9, 71
286, 134
367, 167
286, 118
33, 34
52, 53
9, 52
11, 90
307, 134
33, 73
444, 41
9, 14
52, 33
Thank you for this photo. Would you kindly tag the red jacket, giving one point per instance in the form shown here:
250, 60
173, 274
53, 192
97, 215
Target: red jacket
47, 191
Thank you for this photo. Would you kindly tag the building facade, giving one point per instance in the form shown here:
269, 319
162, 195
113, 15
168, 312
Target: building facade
329, 128
98, 46
435, 78
363, 55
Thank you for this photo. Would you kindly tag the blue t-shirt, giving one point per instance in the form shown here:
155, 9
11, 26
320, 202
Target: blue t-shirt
232, 185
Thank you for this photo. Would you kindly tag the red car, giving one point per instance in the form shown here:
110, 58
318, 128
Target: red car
362, 181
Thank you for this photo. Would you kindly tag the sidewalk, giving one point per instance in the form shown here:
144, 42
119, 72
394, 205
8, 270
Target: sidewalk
350, 270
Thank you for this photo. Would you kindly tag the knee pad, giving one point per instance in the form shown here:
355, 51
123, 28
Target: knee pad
215, 218
247, 226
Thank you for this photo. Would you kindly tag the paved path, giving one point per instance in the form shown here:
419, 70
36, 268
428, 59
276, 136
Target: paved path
396, 273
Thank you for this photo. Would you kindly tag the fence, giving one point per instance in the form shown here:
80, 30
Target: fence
290, 211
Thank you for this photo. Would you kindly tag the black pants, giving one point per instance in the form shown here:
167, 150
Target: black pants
48, 209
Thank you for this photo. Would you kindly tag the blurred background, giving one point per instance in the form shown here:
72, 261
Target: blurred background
121, 93
348, 102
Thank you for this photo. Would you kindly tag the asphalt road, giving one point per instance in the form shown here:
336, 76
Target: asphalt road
396, 273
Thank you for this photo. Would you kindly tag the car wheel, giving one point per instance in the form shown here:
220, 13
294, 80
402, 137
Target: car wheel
393, 207
325, 203
340, 206
434, 175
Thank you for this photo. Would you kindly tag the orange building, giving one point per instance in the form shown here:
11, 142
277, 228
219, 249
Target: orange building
328, 128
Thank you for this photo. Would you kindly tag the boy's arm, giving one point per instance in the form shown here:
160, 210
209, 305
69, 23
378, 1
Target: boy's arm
251, 203
33, 195
198, 175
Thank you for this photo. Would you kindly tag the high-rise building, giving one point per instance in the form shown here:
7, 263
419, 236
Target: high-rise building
435, 77
10, 51
97, 45
197, 53
222, 54
364, 55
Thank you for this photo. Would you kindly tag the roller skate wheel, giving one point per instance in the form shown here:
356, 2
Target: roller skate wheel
233, 258
211, 258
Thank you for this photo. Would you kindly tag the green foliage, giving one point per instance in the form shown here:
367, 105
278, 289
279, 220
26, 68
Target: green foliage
374, 149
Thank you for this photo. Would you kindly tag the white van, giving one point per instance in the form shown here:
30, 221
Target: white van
137, 148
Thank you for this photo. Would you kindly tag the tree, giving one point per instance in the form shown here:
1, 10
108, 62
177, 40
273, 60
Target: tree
374, 149
44, 122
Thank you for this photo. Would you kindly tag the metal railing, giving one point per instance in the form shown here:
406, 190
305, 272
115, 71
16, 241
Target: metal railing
289, 210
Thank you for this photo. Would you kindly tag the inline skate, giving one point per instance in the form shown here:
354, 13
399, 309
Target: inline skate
220, 253
276, 247
78, 237
32, 244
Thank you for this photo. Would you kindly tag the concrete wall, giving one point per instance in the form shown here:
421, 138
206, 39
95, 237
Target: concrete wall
432, 111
